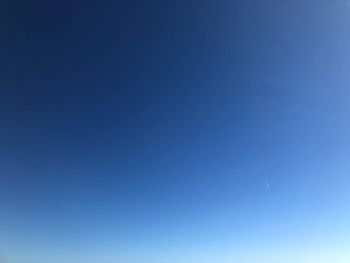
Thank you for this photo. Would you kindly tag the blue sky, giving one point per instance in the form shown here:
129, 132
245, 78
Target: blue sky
174, 132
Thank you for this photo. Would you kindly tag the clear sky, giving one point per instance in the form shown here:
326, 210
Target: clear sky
186, 131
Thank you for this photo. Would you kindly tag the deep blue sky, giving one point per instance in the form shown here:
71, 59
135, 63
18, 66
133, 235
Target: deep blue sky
174, 131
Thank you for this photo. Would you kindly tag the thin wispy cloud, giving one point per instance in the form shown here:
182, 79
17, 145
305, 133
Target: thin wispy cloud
267, 184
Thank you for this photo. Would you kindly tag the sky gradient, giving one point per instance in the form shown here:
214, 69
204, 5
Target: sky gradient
174, 131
